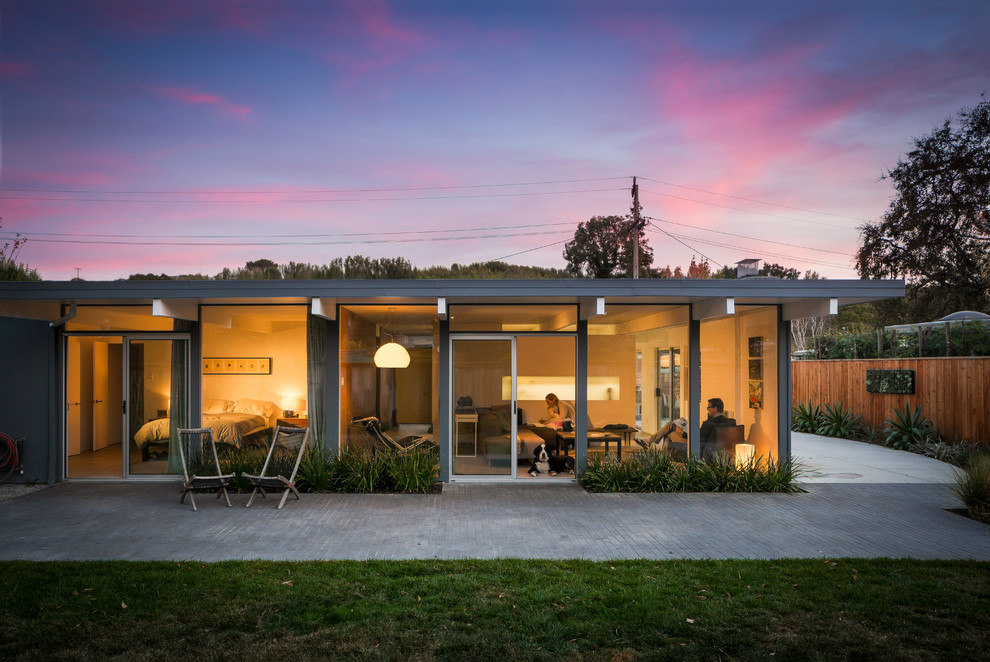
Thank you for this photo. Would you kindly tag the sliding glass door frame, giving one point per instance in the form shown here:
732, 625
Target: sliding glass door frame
513, 338
125, 338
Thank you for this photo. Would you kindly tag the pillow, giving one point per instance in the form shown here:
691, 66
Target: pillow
502, 414
216, 405
265, 408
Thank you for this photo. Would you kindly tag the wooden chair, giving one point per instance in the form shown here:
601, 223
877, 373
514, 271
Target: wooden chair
287, 442
380, 441
192, 445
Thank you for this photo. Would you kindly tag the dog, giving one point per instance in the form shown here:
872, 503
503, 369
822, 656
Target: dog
541, 461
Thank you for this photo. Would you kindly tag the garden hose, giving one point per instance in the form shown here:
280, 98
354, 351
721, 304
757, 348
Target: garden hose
8, 456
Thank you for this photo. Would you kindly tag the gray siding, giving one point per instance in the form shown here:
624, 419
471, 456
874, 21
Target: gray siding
28, 392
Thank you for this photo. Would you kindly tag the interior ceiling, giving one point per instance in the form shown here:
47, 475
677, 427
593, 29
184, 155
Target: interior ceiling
410, 320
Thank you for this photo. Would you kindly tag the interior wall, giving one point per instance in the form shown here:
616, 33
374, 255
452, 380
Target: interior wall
613, 356
283, 342
357, 372
544, 356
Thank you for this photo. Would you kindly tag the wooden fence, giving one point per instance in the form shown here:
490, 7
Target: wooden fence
954, 392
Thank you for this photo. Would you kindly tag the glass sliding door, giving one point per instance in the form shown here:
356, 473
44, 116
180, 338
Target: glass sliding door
157, 403
483, 421
124, 399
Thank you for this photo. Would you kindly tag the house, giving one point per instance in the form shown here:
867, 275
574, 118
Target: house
100, 374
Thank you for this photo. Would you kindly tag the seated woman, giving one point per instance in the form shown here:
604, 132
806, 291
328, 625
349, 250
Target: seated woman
553, 411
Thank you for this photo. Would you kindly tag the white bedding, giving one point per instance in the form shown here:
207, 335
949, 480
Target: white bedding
228, 428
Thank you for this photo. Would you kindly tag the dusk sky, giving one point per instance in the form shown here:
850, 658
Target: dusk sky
187, 136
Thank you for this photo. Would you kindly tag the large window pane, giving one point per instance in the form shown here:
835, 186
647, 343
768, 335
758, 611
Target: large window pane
403, 399
637, 368
739, 366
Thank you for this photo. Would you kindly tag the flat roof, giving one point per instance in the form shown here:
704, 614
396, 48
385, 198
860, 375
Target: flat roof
17, 297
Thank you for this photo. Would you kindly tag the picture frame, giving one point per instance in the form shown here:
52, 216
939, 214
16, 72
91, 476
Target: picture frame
755, 394
237, 365
756, 369
756, 346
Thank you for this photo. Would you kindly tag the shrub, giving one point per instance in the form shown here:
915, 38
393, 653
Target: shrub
314, 469
414, 471
908, 427
805, 417
659, 471
955, 452
973, 488
837, 421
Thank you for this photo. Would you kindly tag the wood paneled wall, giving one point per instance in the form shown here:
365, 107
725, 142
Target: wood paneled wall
954, 391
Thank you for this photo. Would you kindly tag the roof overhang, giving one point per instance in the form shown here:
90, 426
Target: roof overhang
713, 297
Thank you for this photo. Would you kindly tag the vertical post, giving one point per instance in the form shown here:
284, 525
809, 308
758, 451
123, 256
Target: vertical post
581, 398
636, 223
694, 386
442, 432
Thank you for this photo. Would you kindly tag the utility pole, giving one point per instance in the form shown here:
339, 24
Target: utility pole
636, 226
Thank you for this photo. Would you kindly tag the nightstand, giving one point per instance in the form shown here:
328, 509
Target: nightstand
297, 422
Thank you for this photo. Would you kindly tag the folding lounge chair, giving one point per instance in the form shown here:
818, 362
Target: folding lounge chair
380, 441
192, 444
287, 442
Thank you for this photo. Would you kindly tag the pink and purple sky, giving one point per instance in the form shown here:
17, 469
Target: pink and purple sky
181, 136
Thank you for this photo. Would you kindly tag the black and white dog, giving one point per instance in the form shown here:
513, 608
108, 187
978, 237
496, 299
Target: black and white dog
541, 461
545, 462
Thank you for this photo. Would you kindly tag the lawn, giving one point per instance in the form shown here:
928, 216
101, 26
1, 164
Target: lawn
488, 610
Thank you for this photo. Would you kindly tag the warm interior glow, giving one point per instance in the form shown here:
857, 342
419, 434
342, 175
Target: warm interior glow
745, 454
536, 388
392, 355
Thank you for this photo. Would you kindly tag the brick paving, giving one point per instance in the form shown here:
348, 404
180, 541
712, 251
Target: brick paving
144, 521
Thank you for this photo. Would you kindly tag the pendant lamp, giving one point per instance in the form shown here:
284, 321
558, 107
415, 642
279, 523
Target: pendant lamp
392, 355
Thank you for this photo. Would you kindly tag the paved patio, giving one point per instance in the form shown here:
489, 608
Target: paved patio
840, 515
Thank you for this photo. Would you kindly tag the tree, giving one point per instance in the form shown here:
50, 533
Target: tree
603, 248
936, 232
10, 268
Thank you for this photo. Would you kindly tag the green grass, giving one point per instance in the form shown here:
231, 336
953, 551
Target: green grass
492, 610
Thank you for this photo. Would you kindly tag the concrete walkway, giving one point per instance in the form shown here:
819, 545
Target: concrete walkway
852, 518
831, 460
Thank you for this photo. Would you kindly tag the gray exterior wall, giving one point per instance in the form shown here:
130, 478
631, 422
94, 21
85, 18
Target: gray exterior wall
28, 395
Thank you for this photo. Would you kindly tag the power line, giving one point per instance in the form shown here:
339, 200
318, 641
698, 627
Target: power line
530, 250
318, 191
675, 238
768, 254
759, 202
29, 234
412, 240
748, 211
742, 236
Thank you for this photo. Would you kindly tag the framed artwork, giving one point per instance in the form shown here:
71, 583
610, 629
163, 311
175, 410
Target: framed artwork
756, 346
756, 368
755, 394
237, 365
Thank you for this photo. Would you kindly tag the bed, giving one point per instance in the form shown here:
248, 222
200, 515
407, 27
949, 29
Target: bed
234, 422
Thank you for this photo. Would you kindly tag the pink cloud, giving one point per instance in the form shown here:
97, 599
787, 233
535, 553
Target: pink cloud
383, 42
195, 98
15, 69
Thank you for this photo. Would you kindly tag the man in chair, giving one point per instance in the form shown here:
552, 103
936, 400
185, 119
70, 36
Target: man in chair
716, 419
678, 442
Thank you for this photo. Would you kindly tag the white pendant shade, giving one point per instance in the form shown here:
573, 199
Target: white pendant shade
392, 355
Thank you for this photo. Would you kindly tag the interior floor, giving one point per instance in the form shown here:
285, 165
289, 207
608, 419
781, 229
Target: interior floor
106, 463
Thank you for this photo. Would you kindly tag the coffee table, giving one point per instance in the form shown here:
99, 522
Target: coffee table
566, 439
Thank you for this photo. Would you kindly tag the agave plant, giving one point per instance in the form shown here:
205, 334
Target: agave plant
908, 427
837, 421
805, 417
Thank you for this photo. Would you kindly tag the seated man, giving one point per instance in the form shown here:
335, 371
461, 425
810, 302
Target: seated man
662, 439
716, 419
